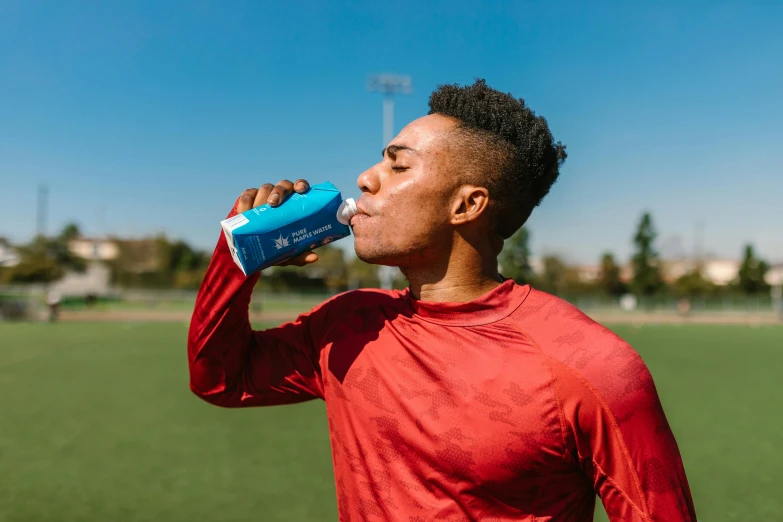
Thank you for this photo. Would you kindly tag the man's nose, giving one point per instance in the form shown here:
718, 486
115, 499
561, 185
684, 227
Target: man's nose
369, 180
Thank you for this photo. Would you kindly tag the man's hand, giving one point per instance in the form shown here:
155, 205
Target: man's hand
275, 195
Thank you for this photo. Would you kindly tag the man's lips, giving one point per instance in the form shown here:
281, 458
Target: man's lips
358, 217
361, 212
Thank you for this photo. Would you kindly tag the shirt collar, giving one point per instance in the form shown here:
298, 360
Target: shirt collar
493, 306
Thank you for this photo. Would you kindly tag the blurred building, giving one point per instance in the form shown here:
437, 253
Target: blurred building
105, 256
140, 256
94, 249
588, 273
774, 276
95, 280
8, 254
673, 269
133, 255
719, 272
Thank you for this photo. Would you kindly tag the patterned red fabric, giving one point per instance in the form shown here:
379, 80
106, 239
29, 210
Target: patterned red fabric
515, 406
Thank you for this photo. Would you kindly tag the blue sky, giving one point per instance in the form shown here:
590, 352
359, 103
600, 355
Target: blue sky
152, 116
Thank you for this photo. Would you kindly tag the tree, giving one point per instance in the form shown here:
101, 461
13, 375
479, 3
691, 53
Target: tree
70, 231
158, 262
609, 278
46, 259
646, 272
693, 284
362, 275
34, 270
515, 257
331, 267
554, 279
751, 273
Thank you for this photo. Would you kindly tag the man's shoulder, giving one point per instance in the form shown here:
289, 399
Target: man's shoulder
583, 346
552, 317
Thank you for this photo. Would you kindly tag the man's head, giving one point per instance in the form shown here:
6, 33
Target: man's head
474, 169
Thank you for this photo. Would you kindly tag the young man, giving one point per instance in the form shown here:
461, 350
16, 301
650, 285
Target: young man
466, 396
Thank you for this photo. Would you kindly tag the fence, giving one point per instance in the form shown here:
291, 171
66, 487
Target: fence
29, 302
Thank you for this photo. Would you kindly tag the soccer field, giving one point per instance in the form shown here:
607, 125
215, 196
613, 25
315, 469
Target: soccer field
98, 424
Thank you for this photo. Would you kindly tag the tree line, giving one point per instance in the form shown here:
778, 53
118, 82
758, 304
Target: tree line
646, 266
160, 262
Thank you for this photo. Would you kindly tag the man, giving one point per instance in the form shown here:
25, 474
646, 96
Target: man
53, 300
466, 396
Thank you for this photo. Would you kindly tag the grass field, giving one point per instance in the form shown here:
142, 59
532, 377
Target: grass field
98, 424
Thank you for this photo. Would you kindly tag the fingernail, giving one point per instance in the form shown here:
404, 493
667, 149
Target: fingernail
274, 198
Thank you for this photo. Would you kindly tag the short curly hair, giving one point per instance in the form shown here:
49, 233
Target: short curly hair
512, 150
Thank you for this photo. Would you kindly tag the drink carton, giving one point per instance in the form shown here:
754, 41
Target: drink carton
265, 236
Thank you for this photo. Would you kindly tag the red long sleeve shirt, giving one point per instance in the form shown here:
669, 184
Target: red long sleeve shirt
515, 406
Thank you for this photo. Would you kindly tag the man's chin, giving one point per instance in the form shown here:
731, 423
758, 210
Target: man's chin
374, 256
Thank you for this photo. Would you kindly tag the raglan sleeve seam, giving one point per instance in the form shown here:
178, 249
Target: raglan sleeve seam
555, 391
616, 430
620, 490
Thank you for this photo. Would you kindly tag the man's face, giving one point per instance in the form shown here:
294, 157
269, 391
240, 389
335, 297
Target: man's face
404, 210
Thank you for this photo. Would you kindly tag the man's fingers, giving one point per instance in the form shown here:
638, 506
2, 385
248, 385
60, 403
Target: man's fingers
246, 200
280, 193
274, 195
263, 194
303, 259
301, 186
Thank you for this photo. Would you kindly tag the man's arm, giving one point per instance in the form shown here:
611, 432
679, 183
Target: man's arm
230, 364
623, 441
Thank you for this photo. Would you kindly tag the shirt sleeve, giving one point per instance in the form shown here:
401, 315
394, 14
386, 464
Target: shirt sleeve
232, 365
622, 441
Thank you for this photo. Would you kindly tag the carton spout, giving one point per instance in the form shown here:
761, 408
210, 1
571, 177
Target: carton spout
346, 211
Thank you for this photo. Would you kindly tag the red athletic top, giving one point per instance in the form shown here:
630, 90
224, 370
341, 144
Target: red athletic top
515, 406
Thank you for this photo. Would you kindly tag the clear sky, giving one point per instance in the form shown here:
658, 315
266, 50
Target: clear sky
153, 116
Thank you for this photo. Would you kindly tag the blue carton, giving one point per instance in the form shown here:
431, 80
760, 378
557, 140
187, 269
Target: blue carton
265, 236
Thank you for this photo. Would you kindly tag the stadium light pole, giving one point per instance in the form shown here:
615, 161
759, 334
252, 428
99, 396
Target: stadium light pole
388, 85
42, 210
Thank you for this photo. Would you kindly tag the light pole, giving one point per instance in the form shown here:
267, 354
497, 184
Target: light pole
43, 207
388, 85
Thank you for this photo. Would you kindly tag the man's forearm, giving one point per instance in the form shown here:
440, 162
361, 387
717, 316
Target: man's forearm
220, 333
233, 366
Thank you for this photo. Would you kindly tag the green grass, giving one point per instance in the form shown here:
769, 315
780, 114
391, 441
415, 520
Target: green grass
98, 424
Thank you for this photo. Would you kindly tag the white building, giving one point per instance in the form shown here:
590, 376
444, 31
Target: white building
94, 280
721, 272
8, 254
774, 276
94, 249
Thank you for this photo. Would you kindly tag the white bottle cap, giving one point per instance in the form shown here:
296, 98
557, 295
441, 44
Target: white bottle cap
346, 211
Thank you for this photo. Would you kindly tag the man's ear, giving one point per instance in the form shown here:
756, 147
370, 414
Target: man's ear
470, 203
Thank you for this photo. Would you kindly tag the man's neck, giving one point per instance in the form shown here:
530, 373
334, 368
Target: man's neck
453, 281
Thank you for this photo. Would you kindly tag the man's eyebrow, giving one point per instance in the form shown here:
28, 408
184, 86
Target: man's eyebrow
392, 150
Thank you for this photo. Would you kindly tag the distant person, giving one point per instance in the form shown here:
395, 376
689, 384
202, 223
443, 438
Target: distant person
53, 301
684, 306
465, 396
